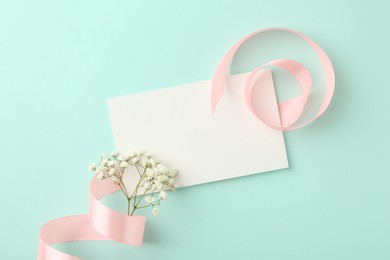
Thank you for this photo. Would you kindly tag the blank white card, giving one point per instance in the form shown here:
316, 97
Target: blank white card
176, 125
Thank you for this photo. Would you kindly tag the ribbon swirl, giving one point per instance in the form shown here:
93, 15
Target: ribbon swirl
101, 223
290, 110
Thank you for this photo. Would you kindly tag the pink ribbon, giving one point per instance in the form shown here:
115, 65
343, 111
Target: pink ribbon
290, 110
101, 223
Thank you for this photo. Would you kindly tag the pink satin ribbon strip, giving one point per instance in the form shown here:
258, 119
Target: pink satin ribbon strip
291, 110
101, 223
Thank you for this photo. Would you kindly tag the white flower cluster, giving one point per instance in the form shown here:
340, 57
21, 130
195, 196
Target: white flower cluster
153, 176
152, 202
109, 167
159, 177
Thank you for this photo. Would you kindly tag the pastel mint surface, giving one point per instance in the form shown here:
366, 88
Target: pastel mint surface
61, 60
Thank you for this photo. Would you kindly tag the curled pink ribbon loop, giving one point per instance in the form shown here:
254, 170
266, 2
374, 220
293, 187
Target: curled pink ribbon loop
291, 110
101, 223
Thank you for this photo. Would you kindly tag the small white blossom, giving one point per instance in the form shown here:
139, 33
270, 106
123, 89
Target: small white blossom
159, 185
135, 160
166, 187
100, 168
152, 162
162, 178
100, 176
104, 162
162, 168
149, 199
144, 162
111, 163
114, 153
172, 173
155, 212
92, 167
171, 181
148, 155
163, 195
115, 179
111, 172
124, 164
149, 172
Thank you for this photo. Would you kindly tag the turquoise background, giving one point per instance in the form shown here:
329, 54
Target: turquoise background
61, 60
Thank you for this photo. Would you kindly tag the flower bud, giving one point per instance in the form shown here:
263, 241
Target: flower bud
155, 212
92, 167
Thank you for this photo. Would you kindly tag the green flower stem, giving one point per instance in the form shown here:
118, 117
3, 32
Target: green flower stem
139, 173
134, 194
140, 207
124, 191
136, 205
128, 206
153, 204
136, 188
123, 188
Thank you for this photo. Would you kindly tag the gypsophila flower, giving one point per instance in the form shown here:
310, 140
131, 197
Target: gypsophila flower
149, 199
154, 177
155, 212
172, 173
144, 162
92, 167
111, 172
163, 195
162, 168
159, 185
115, 179
124, 164
100, 176
111, 163
149, 172
100, 168
162, 178
152, 162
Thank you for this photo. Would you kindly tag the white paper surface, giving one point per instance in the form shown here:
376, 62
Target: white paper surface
176, 125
